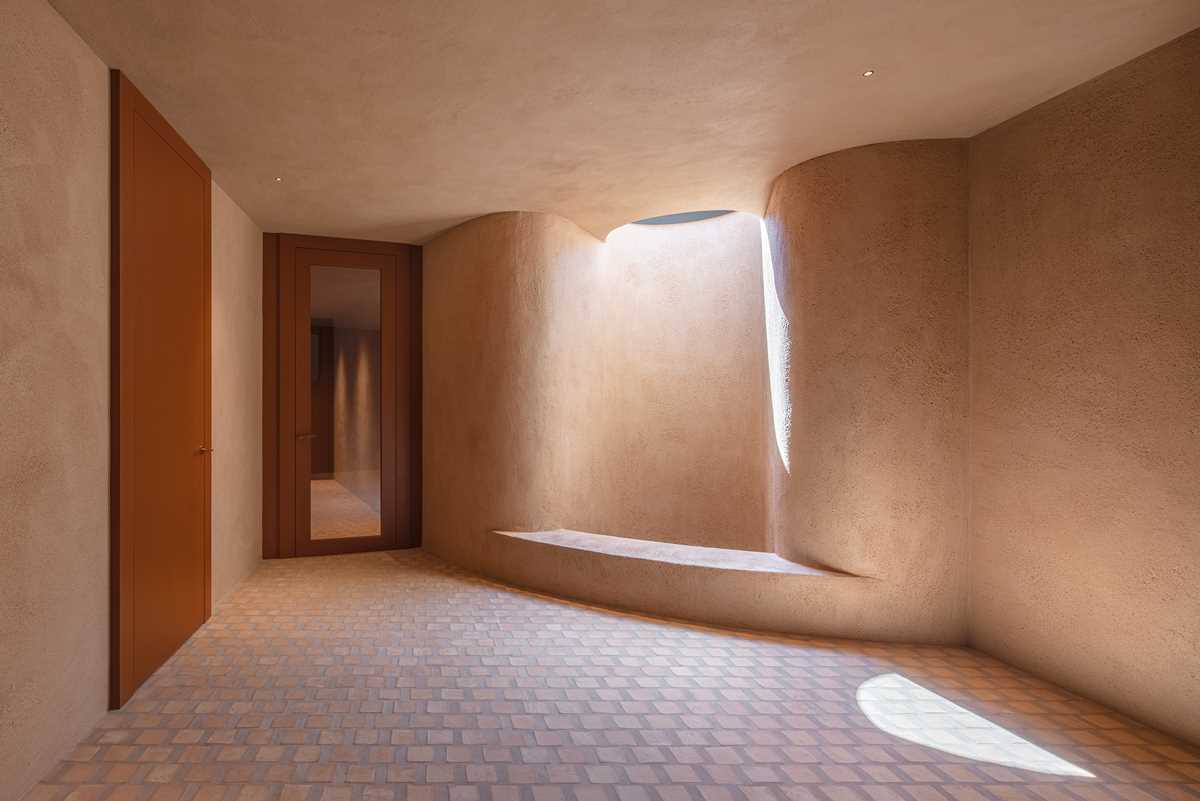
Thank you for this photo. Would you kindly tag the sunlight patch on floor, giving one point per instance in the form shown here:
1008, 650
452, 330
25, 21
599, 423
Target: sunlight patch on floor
907, 710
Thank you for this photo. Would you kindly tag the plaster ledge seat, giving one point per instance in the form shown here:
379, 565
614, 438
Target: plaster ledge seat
720, 586
670, 552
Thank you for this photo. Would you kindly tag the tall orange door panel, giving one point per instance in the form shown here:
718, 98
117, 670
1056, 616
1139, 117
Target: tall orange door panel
161, 378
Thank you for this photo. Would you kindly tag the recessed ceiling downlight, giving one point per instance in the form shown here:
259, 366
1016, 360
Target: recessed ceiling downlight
683, 217
868, 73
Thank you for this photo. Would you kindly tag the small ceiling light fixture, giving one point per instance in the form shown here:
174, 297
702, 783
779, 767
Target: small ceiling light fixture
277, 179
868, 73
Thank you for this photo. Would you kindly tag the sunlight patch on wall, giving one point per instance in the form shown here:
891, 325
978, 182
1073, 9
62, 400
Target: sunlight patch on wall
907, 710
778, 353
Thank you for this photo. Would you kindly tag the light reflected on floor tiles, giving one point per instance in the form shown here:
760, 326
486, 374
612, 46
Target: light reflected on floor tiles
393, 676
907, 710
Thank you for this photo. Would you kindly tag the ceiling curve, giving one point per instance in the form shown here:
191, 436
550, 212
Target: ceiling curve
396, 120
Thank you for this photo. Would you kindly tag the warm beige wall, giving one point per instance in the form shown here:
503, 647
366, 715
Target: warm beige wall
1085, 346
614, 387
356, 414
621, 387
236, 394
869, 251
500, 377
674, 409
53, 391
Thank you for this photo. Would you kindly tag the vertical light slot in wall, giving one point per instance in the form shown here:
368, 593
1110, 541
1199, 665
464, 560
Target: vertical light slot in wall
778, 353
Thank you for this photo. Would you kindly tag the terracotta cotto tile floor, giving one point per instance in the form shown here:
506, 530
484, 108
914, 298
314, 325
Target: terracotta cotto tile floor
392, 676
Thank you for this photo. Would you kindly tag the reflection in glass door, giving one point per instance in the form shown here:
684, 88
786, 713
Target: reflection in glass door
342, 392
345, 439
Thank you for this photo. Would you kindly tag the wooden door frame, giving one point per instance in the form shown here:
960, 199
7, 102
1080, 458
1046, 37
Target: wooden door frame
280, 264
126, 103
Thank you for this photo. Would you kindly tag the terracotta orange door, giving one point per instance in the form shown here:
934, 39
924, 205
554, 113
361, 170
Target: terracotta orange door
161, 348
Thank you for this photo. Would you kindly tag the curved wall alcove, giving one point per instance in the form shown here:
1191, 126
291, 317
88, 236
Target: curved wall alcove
1080, 229
869, 251
608, 386
624, 387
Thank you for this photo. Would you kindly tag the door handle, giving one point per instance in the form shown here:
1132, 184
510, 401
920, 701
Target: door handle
204, 449
306, 436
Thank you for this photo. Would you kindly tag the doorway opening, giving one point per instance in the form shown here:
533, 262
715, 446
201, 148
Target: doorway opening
342, 396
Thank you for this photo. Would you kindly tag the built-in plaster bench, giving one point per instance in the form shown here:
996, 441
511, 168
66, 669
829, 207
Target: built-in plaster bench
741, 589
670, 552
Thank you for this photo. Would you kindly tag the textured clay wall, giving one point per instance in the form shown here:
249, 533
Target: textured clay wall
676, 430
356, 416
869, 253
53, 390
613, 387
501, 378
622, 388
1085, 307
236, 394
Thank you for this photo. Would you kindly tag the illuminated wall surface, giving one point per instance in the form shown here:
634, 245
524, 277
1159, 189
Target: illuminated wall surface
723, 383
610, 386
959, 370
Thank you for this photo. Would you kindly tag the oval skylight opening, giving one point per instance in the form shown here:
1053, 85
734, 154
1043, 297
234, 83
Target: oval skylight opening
683, 217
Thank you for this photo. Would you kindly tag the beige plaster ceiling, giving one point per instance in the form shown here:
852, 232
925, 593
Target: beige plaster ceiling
395, 120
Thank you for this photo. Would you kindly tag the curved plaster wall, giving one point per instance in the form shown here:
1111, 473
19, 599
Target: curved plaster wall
615, 387
869, 253
678, 421
1081, 323
498, 377
622, 388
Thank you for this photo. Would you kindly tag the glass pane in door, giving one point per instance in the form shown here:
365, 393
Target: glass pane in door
345, 483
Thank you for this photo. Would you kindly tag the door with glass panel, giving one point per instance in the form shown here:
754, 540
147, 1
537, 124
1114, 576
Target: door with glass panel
347, 369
